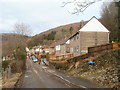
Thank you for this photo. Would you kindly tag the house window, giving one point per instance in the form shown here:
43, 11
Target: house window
76, 49
77, 36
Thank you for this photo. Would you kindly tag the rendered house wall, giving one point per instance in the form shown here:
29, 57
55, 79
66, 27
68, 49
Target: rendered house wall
89, 39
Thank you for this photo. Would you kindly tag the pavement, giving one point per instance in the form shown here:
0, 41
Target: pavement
41, 76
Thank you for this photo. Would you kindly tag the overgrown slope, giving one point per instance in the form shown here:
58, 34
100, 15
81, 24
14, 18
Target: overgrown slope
105, 71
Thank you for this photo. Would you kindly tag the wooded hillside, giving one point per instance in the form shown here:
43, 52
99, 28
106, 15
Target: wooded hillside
54, 35
10, 41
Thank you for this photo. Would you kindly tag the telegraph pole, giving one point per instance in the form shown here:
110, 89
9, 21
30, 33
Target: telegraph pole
118, 31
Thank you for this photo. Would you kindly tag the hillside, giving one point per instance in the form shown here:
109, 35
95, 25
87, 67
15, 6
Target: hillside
54, 35
10, 41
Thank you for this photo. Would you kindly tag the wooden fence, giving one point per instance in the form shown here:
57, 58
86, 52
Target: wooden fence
98, 49
92, 51
64, 56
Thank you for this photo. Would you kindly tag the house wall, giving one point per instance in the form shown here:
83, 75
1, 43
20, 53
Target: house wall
51, 50
89, 39
57, 50
63, 49
75, 45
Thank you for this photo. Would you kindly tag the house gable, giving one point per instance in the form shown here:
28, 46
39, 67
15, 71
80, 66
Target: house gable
94, 26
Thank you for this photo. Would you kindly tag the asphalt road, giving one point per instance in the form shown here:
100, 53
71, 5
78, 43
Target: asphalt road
41, 76
0, 81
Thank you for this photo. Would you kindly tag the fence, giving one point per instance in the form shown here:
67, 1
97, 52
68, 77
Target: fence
98, 49
64, 56
92, 51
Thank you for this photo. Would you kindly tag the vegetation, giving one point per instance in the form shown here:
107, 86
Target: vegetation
71, 30
61, 66
5, 64
20, 53
51, 36
109, 19
22, 28
19, 64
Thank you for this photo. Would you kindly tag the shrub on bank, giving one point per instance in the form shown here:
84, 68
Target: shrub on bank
61, 66
5, 64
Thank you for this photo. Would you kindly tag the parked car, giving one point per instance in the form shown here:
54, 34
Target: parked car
34, 59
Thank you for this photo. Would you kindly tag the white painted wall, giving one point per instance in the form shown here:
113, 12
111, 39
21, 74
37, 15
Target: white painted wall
57, 47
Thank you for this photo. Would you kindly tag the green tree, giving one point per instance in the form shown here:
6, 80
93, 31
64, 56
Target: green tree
51, 36
71, 30
20, 53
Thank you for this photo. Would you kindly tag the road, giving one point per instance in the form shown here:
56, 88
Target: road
0, 80
41, 76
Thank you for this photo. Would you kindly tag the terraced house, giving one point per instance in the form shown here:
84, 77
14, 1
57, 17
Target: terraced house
91, 34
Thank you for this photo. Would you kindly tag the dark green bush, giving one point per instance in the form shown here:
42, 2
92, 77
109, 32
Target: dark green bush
5, 64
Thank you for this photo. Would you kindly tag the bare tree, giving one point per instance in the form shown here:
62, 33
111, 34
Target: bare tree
109, 19
80, 6
22, 28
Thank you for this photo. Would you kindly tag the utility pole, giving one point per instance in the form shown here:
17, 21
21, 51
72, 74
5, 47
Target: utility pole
118, 31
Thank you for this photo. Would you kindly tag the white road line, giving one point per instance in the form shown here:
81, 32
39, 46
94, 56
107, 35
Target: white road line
68, 76
26, 76
68, 80
37, 73
67, 85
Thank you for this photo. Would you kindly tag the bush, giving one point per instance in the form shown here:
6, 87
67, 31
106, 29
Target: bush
20, 53
5, 64
62, 66
20, 56
17, 66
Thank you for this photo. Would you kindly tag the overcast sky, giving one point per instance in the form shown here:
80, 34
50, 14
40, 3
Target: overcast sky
41, 15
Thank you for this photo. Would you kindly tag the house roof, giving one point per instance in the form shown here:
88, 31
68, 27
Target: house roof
74, 35
94, 26
61, 42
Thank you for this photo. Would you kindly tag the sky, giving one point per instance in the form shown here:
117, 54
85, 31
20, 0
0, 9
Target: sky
42, 15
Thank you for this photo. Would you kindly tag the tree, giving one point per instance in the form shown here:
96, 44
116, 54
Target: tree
22, 28
118, 21
51, 36
109, 19
79, 6
80, 26
71, 30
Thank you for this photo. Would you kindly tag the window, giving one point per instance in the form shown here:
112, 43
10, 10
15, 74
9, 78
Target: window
76, 49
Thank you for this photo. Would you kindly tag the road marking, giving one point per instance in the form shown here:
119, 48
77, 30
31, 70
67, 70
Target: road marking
68, 76
81, 86
51, 71
67, 85
26, 76
37, 73
44, 67
69, 81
